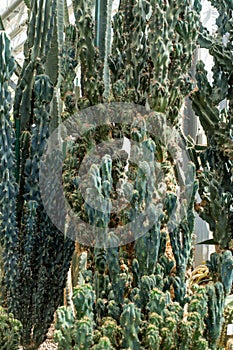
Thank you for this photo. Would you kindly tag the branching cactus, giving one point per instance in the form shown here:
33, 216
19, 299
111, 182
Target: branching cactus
212, 102
159, 60
76, 328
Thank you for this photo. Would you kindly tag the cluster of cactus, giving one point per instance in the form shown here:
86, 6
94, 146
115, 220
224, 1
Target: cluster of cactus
213, 103
133, 293
36, 254
155, 323
10, 331
152, 52
139, 292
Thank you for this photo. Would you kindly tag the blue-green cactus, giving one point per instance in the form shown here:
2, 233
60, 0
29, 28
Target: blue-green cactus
215, 305
221, 269
130, 323
8, 186
148, 67
35, 271
76, 328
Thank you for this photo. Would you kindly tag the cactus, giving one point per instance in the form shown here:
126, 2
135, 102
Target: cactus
104, 344
215, 162
10, 331
76, 328
36, 254
221, 269
215, 313
8, 185
137, 295
225, 338
142, 294
130, 323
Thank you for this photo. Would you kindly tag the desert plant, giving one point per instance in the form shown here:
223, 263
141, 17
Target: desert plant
212, 102
10, 331
139, 289
36, 254
136, 295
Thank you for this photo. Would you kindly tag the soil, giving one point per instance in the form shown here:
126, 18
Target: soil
48, 343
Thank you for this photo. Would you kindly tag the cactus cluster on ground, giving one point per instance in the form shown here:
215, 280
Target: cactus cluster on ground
142, 298
10, 331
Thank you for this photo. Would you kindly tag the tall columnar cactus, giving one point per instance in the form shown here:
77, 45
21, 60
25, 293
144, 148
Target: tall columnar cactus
8, 185
36, 254
212, 102
215, 313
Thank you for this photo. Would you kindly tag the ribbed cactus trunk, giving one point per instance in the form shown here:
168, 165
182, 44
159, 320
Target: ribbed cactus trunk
36, 254
8, 185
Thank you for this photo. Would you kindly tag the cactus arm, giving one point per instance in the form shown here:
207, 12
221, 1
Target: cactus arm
106, 72
100, 25
130, 321
66, 14
215, 306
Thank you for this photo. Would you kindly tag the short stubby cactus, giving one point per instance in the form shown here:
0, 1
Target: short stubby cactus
10, 331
